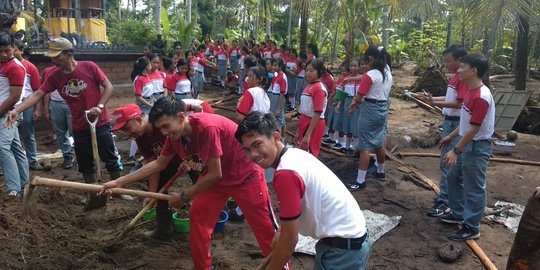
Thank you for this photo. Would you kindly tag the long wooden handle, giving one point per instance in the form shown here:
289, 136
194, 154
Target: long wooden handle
481, 255
502, 160
41, 181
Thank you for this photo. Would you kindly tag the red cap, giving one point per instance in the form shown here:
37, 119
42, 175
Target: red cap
124, 114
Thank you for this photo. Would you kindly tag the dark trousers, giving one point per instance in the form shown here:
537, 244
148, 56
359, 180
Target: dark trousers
106, 149
164, 177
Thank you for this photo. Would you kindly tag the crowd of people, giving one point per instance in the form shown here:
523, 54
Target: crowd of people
173, 128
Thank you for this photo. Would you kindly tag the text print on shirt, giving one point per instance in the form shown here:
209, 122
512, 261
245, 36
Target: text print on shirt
74, 88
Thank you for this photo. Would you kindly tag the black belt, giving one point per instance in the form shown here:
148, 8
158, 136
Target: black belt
61, 101
345, 243
451, 118
277, 94
199, 71
370, 100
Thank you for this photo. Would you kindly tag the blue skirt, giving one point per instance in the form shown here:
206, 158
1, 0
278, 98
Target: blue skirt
234, 63
372, 125
145, 109
222, 68
274, 99
350, 121
291, 85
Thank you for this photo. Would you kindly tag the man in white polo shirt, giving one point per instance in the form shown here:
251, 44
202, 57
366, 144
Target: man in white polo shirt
312, 200
470, 156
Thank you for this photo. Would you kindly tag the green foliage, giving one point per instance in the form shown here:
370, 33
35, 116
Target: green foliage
427, 46
396, 48
131, 32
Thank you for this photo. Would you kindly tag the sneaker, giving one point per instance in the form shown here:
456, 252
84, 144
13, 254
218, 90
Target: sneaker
328, 142
14, 194
337, 146
35, 166
450, 219
130, 160
378, 175
352, 153
235, 217
438, 209
68, 162
355, 186
465, 233
325, 136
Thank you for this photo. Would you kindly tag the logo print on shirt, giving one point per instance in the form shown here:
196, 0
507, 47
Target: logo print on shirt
74, 88
195, 163
156, 148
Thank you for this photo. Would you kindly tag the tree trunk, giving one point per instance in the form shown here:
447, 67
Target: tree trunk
320, 32
304, 26
448, 31
334, 44
188, 11
386, 25
268, 17
158, 16
244, 11
289, 25
521, 54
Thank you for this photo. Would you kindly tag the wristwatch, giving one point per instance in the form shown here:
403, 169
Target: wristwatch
100, 106
456, 150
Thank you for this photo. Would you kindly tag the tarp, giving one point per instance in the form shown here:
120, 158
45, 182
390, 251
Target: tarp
58, 25
94, 29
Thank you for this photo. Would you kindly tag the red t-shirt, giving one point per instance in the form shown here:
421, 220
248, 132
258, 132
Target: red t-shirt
328, 82
476, 106
81, 90
279, 84
143, 86
12, 73
150, 146
213, 137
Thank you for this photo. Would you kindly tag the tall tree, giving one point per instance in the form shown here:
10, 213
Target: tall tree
521, 54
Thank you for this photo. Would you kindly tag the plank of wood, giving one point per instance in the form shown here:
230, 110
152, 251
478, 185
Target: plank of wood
494, 159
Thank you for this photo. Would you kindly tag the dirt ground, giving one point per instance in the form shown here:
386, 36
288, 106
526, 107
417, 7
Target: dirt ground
55, 233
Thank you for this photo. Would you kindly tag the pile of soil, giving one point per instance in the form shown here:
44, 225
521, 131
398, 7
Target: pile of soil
432, 81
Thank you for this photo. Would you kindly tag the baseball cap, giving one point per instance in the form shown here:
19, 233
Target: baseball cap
57, 46
124, 114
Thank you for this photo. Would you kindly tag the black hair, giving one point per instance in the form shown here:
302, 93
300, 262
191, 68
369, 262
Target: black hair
19, 45
303, 56
314, 49
187, 53
261, 62
229, 73
202, 46
279, 62
152, 56
250, 62
457, 51
346, 64
284, 47
166, 106
167, 63
245, 49
318, 65
256, 123
293, 51
176, 44
182, 62
260, 73
6, 39
139, 66
380, 57
477, 61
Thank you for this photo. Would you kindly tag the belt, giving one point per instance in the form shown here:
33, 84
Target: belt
300, 77
370, 100
345, 243
199, 71
451, 118
277, 94
61, 101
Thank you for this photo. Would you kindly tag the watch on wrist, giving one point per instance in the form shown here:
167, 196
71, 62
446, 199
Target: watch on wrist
100, 106
185, 198
456, 150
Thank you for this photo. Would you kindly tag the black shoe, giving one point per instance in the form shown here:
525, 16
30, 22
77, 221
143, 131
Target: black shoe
378, 175
35, 166
450, 219
235, 217
337, 146
465, 233
158, 235
328, 142
438, 209
355, 186
68, 162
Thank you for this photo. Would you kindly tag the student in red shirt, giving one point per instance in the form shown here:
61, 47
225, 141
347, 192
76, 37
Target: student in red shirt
157, 77
179, 82
234, 54
232, 81
80, 83
278, 90
222, 62
311, 123
142, 84
207, 145
135, 124
254, 98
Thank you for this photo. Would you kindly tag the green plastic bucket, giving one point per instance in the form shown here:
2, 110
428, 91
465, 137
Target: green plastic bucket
150, 214
180, 225
231, 204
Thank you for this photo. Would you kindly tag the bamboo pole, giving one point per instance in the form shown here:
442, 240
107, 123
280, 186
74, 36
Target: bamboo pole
494, 159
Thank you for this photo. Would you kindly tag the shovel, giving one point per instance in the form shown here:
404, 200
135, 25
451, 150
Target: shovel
93, 201
91, 188
147, 207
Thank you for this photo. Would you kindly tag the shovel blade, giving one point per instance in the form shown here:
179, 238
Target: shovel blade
93, 201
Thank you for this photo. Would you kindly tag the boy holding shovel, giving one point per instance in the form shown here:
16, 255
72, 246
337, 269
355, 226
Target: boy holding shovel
313, 201
130, 120
206, 142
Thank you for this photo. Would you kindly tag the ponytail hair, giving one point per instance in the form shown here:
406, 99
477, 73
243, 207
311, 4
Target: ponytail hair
318, 65
280, 63
380, 58
139, 66
261, 74
183, 62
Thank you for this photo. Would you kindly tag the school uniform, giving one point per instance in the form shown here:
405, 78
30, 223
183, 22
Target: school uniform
222, 58
314, 100
312, 194
373, 111
301, 83
241, 74
199, 65
234, 55
278, 87
292, 65
181, 86
143, 86
158, 80
334, 119
456, 90
467, 179
350, 121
